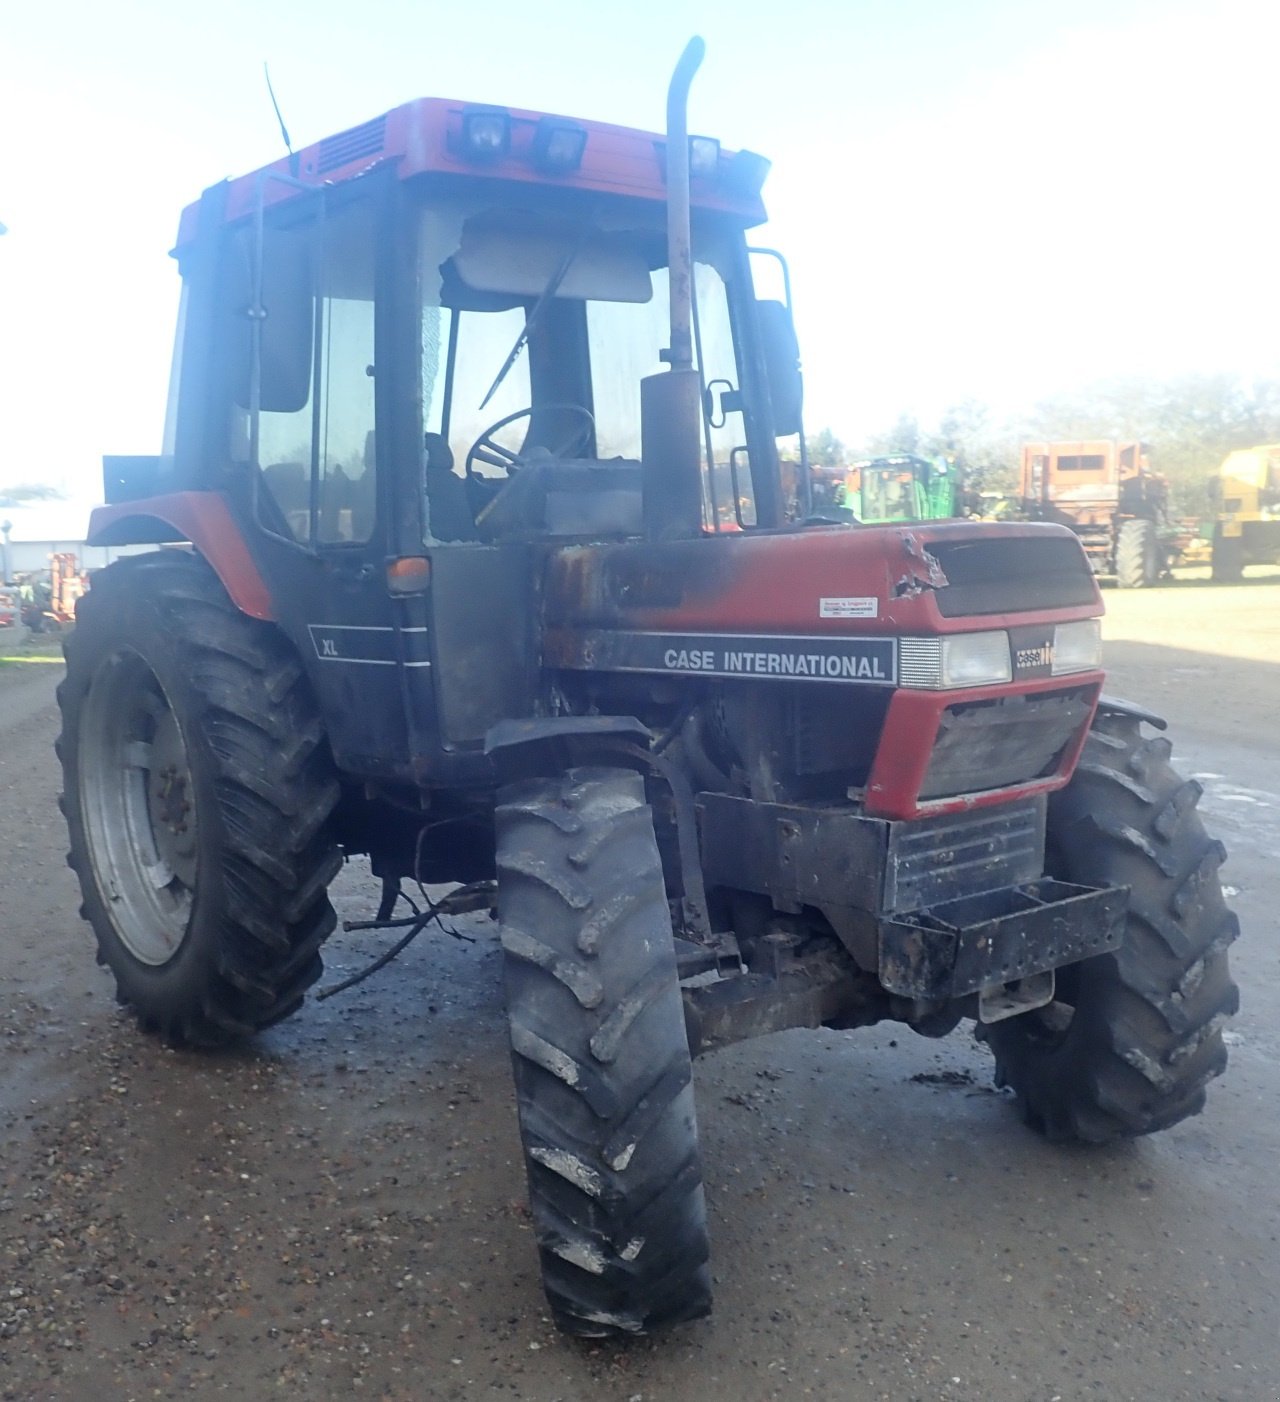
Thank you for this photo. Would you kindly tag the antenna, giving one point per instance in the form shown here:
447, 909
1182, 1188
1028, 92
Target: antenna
284, 130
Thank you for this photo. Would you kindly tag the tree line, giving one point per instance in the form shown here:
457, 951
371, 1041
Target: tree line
1190, 424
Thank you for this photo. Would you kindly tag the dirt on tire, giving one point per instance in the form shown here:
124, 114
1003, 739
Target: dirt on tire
602, 1067
1144, 1035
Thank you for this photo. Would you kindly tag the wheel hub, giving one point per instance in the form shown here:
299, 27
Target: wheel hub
170, 800
139, 807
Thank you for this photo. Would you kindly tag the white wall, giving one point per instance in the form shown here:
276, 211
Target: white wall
26, 556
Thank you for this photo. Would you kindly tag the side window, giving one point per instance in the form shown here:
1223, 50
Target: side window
315, 440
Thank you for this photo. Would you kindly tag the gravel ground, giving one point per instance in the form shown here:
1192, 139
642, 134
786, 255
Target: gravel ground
340, 1209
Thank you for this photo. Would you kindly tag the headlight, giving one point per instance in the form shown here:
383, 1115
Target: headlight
1077, 647
965, 659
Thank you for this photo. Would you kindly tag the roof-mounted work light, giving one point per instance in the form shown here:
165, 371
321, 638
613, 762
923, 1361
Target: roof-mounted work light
486, 133
747, 172
704, 157
558, 146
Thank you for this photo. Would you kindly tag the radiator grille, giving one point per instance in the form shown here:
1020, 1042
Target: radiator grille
996, 744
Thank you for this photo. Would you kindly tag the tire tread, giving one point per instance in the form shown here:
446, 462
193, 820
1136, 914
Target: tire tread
1146, 1036
603, 1082
274, 786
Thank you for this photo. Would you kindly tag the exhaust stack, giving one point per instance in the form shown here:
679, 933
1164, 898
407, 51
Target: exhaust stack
670, 451
679, 253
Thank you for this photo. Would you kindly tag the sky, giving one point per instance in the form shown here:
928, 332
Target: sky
993, 199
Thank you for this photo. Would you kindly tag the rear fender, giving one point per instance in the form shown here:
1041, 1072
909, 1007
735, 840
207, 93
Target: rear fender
203, 519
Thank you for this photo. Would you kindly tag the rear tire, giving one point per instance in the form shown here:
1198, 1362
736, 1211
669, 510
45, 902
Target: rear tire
1136, 1035
601, 1058
1227, 561
1138, 555
197, 788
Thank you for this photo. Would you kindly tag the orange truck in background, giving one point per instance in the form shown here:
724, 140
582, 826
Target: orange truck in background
1106, 492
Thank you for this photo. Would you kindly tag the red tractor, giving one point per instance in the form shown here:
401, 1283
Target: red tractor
457, 392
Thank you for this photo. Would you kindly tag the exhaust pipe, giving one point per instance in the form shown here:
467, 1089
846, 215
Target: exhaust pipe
670, 450
679, 240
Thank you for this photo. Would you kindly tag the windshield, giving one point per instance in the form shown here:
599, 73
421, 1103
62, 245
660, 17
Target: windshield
564, 314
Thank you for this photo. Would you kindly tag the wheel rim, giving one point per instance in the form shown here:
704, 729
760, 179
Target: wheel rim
138, 804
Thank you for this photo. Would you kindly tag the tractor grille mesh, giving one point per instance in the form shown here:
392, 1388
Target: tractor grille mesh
997, 744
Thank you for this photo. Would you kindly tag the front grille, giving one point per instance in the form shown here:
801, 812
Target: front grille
994, 574
1010, 740
942, 859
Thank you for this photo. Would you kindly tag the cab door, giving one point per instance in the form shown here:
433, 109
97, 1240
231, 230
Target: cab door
310, 409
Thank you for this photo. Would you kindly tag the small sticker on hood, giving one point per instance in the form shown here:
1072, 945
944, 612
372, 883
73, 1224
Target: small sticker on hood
849, 608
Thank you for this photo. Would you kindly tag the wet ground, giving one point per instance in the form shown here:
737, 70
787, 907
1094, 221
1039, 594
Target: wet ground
340, 1210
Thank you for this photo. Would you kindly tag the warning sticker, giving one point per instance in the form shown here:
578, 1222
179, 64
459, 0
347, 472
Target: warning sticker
849, 608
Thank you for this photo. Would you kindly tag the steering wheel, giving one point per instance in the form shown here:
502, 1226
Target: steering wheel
492, 454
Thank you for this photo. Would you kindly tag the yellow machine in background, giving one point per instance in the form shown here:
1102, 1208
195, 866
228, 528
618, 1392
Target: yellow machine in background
1246, 496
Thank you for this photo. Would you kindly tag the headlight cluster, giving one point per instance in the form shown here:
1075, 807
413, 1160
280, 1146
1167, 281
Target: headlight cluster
1077, 647
964, 659
985, 659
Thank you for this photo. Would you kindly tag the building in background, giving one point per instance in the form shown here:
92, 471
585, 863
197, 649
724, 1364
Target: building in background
31, 534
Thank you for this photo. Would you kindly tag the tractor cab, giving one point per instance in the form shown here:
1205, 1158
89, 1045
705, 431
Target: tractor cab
434, 330
413, 353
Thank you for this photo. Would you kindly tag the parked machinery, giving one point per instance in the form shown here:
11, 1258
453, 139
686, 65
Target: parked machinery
1107, 494
1245, 493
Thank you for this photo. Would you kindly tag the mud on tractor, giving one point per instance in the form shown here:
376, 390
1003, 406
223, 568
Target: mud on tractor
455, 594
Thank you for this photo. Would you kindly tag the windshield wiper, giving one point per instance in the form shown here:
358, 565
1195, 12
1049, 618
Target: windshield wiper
535, 314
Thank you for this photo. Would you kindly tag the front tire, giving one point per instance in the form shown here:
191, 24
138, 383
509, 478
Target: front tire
1134, 1036
197, 789
601, 1058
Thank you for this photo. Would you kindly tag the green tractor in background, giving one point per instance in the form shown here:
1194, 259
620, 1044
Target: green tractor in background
899, 487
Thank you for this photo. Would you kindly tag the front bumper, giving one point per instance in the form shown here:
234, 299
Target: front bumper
939, 908
1000, 937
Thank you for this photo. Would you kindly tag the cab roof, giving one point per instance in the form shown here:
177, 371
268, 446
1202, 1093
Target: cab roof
426, 136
